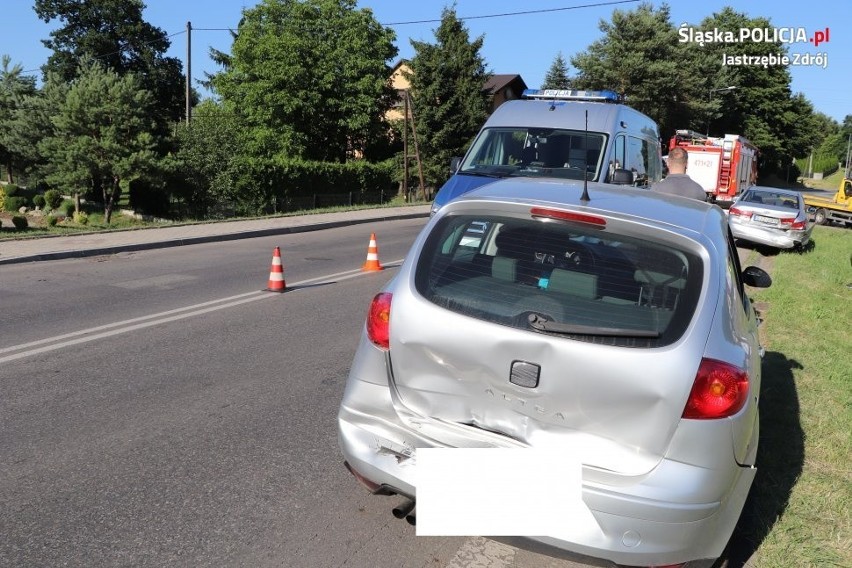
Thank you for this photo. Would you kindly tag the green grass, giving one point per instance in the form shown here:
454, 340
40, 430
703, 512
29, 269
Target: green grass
801, 502
829, 183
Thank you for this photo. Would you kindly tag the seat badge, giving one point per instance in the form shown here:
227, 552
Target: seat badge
524, 374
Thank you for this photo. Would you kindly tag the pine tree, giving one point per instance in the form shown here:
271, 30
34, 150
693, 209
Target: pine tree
14, 88
639, 57
101, 135
557, 75
447, 88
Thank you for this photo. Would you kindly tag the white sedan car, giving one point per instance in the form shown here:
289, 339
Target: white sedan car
772, 217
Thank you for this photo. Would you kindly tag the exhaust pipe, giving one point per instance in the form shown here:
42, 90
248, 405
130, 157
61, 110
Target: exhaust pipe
411, 518
402, 510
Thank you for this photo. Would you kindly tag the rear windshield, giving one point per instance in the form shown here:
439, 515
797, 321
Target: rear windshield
535, 152
769, 197
557, 278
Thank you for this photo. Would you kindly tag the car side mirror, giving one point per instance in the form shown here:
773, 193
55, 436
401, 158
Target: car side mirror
622, 177
455, 162
756, 277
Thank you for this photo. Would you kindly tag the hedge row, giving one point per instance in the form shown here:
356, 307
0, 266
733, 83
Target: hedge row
825, 164
258, 183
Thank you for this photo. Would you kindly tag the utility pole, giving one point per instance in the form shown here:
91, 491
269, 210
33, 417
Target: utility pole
405, 147
188, 72
409, 112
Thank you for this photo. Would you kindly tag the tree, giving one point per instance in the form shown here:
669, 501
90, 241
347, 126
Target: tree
206, 150
640, 58
447, 89
101, 135
309, 78
762, 107
14, 88
557, 75
31, 123
114, 33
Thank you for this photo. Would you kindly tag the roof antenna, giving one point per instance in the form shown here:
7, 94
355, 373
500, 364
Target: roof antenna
585, 197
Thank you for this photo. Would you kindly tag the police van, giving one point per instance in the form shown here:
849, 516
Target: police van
564, 134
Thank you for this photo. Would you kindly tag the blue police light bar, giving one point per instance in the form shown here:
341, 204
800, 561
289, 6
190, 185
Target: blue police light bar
572, 95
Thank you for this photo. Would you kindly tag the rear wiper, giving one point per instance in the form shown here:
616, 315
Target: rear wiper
540, 323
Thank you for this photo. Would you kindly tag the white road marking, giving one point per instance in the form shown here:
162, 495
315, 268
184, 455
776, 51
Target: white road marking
116, 328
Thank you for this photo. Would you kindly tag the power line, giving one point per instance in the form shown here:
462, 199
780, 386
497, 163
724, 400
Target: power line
482, 17
103, 55
410, 22
523, 13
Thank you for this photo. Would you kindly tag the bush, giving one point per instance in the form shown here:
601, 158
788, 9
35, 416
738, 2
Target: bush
53, 198
2, 199
13, 204
51, 220
68, 207
39, 201
81, 218
12, 190
20, 222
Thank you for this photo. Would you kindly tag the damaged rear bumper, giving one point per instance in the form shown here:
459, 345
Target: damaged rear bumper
656, 518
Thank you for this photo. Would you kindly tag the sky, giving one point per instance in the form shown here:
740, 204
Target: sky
524, 44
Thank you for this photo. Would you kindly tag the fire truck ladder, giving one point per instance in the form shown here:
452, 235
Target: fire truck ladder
692, 137
725, 169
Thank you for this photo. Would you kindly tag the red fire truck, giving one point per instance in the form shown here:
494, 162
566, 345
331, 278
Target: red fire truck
724, 167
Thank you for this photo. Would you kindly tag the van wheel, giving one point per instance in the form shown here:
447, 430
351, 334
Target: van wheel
820, 217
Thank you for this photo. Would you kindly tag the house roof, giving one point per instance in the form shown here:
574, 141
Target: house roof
498, 82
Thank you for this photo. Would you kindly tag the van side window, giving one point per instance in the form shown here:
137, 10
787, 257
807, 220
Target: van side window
653, 162
619, 157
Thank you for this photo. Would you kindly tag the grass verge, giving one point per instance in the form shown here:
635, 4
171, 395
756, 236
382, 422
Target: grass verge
800, 505
38, 228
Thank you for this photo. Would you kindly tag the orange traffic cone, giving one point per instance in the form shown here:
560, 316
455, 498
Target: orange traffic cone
372, 263
276, 273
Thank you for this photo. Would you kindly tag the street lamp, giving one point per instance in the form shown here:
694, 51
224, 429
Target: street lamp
710, 100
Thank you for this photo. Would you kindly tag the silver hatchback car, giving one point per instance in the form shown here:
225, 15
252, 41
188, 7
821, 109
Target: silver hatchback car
526, 315
772, 217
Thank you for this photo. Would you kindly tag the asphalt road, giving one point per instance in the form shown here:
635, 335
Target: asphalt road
158, 409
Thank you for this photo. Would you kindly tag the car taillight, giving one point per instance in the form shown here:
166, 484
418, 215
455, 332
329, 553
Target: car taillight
720, 390
739, 212
378, 320
791, 223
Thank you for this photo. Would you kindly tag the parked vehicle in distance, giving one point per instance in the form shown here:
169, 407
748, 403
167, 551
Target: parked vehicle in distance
531, 314
772, 217
564, 134
835, 209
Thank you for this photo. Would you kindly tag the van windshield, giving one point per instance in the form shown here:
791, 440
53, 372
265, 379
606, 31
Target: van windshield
535, 152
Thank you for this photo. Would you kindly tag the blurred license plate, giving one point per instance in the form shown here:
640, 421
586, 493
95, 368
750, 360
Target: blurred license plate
765, 220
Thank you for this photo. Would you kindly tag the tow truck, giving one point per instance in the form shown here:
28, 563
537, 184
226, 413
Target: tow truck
836, 209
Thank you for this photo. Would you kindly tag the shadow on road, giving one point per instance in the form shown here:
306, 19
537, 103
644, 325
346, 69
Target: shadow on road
780, 458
